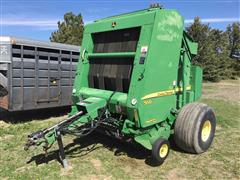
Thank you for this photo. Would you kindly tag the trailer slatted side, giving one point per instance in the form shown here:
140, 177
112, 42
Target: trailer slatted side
38, 75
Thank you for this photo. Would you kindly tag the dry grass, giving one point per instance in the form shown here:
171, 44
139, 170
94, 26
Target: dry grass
110, 159
224, 90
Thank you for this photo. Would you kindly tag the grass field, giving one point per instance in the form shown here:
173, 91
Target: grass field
99, 157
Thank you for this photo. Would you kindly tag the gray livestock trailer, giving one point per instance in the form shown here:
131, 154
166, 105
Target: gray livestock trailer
35, 74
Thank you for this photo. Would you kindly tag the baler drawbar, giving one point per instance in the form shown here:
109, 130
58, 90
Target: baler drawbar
135, 81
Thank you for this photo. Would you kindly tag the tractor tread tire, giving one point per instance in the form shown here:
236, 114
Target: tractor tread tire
188, 126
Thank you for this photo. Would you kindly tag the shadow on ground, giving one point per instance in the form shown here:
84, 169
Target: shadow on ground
41, 114
83, 146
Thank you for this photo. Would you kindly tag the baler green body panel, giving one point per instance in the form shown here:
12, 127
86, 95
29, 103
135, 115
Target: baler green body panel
161, 77
161, 68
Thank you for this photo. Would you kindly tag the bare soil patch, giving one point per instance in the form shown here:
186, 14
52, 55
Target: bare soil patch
97, 164
176, 174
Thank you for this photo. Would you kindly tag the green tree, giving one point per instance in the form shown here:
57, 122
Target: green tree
213, 51
205, 57
233, 32
220, 54
70, 31
200, 33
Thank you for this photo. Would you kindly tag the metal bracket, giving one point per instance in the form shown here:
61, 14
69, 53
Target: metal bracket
61, 151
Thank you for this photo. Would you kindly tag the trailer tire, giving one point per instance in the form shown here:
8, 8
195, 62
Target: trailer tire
194, 128
160, 151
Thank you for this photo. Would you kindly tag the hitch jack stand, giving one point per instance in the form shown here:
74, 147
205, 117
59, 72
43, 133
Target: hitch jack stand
61, 150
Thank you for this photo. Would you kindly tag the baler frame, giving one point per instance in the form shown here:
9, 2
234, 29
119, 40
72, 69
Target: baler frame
134, 81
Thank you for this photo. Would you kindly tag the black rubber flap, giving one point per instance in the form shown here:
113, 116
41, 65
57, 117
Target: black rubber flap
124, 40
112, 74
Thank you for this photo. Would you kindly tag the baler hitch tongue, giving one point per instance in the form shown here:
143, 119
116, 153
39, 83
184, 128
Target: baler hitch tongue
33, 139
38, 138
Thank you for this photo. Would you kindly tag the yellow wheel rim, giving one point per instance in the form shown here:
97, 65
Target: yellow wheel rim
206, 130
163, 151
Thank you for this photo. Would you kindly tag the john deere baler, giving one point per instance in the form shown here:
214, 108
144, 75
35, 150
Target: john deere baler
135, 81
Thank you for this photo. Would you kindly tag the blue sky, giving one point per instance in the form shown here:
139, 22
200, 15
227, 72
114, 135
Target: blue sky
36, 19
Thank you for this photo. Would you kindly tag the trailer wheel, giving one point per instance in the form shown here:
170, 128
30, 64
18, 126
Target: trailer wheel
194, 128
160, 151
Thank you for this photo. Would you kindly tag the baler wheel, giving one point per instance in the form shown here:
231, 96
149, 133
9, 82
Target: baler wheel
194, 128
160, 150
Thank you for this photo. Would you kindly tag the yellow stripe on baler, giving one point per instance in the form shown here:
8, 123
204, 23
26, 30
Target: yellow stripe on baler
164, 93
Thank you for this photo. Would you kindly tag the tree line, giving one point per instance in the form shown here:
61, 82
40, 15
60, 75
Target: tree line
218, 51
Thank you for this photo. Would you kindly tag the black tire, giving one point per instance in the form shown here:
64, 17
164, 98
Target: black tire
158, 146
194, 128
